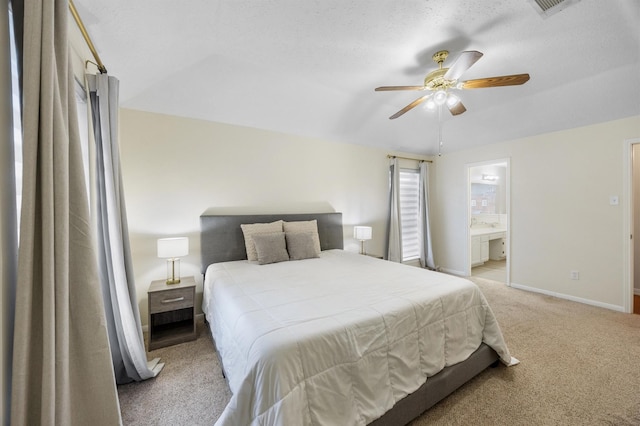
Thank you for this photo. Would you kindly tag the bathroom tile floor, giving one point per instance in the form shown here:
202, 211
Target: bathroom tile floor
492, 270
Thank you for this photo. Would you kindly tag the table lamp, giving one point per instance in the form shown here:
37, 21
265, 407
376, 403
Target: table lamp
362, 234
172, 249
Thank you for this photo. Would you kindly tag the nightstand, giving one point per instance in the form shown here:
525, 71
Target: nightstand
172, 314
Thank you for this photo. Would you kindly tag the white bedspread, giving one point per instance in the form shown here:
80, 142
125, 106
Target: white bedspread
339, 339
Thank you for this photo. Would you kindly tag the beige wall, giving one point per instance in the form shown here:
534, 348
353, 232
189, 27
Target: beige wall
561, 219
175, 168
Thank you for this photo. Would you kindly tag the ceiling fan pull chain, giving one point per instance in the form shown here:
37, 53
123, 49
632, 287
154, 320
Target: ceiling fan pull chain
439, 130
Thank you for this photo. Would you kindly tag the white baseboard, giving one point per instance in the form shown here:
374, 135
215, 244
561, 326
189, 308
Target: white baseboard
569, 297
199, 317
636, 291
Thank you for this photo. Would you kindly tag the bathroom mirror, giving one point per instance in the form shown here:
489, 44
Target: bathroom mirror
487, 198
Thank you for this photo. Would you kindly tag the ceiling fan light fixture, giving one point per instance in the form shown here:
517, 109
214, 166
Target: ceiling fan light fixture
452, 100
440, 97
443, 80
430, 104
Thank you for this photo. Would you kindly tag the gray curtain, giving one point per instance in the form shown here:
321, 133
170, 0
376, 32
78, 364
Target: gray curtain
114, 254
8, 219
62, 373
394, 226
426, 249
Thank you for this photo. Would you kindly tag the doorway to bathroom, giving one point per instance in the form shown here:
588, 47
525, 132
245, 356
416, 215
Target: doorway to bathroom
488, 220
631, 298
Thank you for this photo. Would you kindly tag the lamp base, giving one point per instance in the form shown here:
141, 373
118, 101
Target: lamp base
173, 271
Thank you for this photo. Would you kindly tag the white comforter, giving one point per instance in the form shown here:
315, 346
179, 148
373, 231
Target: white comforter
337, 340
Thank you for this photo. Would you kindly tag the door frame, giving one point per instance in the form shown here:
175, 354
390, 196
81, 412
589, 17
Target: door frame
469, 166
628, 228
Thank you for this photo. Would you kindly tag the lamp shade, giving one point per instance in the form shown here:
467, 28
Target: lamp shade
173, 247
362, 233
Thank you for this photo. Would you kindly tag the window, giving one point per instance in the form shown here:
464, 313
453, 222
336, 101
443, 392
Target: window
410, 214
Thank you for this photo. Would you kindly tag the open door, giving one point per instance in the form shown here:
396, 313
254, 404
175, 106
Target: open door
488, 219
634, 214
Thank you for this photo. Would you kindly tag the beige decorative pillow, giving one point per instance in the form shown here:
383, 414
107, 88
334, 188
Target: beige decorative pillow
257, 228
271, 248
301, 245
308, 226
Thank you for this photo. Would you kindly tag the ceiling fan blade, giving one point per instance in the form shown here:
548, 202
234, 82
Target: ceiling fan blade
463, 63
505, 80
409, 107
457, 108
388, 88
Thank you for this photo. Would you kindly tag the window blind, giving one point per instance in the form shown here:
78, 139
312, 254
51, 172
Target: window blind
410, 214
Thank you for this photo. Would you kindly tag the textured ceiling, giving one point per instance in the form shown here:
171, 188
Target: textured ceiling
309, 67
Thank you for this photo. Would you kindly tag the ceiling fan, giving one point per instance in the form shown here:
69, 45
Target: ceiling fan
440, 81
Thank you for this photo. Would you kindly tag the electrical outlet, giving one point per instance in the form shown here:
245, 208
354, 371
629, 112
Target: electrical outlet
575, 275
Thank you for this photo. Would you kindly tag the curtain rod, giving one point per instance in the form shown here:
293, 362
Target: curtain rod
85, 34
407, 158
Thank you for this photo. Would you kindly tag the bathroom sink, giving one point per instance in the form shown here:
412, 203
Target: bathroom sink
486, 231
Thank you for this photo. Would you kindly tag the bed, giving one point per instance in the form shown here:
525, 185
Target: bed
339, 338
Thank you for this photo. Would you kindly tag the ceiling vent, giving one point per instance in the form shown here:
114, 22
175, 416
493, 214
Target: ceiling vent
547, 8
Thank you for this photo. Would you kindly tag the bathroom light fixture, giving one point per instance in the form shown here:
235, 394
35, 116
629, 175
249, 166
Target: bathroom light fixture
362, 233
172, 249
490, 177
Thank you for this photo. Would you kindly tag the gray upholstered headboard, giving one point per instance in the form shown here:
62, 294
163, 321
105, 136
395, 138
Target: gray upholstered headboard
221, 237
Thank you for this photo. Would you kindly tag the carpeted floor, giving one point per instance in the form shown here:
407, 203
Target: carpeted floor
580, 365
190, 389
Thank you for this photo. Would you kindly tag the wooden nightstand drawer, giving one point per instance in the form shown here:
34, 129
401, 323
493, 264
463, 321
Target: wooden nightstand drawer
170, 300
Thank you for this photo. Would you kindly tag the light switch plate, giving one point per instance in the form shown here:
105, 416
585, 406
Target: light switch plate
613, 200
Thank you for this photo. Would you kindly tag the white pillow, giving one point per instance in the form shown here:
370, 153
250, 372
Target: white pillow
305, 226
257, 228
